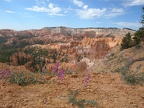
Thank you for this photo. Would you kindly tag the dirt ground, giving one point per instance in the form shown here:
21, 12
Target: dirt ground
107, 89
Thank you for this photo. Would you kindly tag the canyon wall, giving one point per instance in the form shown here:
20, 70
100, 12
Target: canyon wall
73, 47
66, 31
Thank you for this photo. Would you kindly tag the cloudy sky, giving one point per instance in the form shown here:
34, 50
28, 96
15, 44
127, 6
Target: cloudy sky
36, 14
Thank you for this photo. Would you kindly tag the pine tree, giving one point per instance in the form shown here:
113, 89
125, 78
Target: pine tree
142, 20
126, 41
139, 35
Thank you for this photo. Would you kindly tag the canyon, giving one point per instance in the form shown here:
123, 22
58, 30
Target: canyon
66, 45
94, 67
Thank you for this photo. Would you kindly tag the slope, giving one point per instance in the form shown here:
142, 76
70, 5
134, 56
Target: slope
105, 86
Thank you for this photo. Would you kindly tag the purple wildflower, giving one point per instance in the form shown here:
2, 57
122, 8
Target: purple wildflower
7, 71
55, 68
86, 80
60, 74
3, 73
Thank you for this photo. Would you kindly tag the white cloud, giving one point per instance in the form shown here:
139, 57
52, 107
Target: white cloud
129, 24
114, 12
51, 9
8, 0
41, 2
38, 9
133, 2
90, 13
54, 9
78, 3
85, 7
8, 11
68, 9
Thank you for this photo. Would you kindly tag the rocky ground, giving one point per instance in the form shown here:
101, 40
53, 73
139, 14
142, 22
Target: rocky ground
108, 90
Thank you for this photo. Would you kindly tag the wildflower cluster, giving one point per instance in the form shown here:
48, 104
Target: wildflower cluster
86, 80
55, 68
4, 73
58, 72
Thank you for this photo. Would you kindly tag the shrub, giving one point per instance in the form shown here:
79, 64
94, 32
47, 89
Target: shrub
22, 79
128, 77
134, 79
131, 79
79, 102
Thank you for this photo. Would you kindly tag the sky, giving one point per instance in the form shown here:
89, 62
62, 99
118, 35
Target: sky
36, 14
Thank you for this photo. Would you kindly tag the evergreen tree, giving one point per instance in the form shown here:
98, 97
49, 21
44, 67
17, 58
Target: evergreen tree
142, 20
126, 41
139, 35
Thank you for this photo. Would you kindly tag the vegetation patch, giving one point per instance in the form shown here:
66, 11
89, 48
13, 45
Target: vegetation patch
129, 77
134, 79
81, 103
23, 79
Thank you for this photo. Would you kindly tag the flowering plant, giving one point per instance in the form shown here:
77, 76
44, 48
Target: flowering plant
55, 68
58, 72
61, 74
86, 80
4, 73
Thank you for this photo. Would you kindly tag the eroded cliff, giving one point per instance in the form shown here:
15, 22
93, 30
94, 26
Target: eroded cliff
59, 44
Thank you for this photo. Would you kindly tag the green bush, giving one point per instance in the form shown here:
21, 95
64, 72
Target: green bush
134, 79
128, 77
22, 79
79, 102
131, 79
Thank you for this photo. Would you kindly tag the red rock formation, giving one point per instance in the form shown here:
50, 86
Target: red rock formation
93, 43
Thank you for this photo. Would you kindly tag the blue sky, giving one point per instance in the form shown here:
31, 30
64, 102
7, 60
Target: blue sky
36, 14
